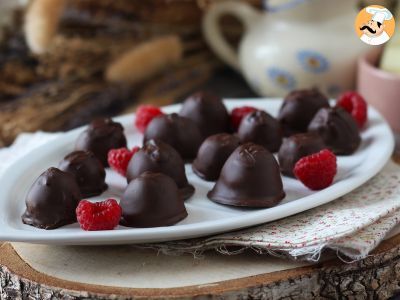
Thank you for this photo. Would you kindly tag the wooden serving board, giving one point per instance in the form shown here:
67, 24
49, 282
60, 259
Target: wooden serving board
55, 272
124, 272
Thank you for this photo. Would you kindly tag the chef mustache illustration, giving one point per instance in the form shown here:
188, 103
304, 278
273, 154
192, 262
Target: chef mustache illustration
373, 31
375, 26
369, 28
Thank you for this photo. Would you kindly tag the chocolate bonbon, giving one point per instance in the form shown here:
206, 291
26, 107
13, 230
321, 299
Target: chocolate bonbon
212, 155
208, 112
338, 130
88, 171
298, 109
101, 136
152, 200
157, 156
261, 128
52, 200
295, 147
249, 178
179, 132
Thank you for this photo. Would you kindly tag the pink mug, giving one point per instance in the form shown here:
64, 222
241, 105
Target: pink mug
381, 89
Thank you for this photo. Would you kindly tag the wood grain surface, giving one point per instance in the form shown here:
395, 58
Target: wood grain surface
375, 277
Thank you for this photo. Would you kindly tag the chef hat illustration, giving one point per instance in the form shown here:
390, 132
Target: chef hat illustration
379, 14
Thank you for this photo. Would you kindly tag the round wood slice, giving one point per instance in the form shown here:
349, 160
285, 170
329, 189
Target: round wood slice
124, 272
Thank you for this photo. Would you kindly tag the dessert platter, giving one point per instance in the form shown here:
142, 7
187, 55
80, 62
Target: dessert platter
185, 171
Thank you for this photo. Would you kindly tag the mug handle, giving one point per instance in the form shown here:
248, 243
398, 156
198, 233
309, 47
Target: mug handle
212, 31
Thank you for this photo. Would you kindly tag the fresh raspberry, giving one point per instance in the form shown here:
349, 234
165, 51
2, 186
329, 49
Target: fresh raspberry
144, 115
238, 114
103, 215
118, 159
316, 171
355, 104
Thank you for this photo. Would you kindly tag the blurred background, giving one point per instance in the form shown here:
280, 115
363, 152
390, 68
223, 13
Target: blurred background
65, 62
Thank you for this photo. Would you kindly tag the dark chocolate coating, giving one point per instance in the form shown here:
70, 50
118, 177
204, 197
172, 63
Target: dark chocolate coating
299, 108
152, 200
52, 200
297, 146
159, 157
101, 136
179, 132
208, 112
212, 155
261, 128
338, 130
88, 171
249, 178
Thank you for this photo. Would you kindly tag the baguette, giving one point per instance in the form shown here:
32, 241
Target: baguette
145, 60
41, 23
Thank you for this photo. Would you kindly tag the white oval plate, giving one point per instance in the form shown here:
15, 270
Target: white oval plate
205, 217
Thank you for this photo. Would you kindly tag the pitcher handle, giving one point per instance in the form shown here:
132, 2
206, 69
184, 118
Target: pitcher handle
212, 31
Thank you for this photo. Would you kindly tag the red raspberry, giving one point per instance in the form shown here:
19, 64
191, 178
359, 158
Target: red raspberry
355, 104
144, 115
316, 171
238, 114
118, 159
103, 215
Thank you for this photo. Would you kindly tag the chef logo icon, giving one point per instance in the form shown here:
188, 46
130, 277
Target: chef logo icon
375, 25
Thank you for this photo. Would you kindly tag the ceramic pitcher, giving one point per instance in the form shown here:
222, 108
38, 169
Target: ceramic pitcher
305, 43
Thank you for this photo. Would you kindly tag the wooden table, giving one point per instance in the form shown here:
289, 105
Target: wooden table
123, 272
